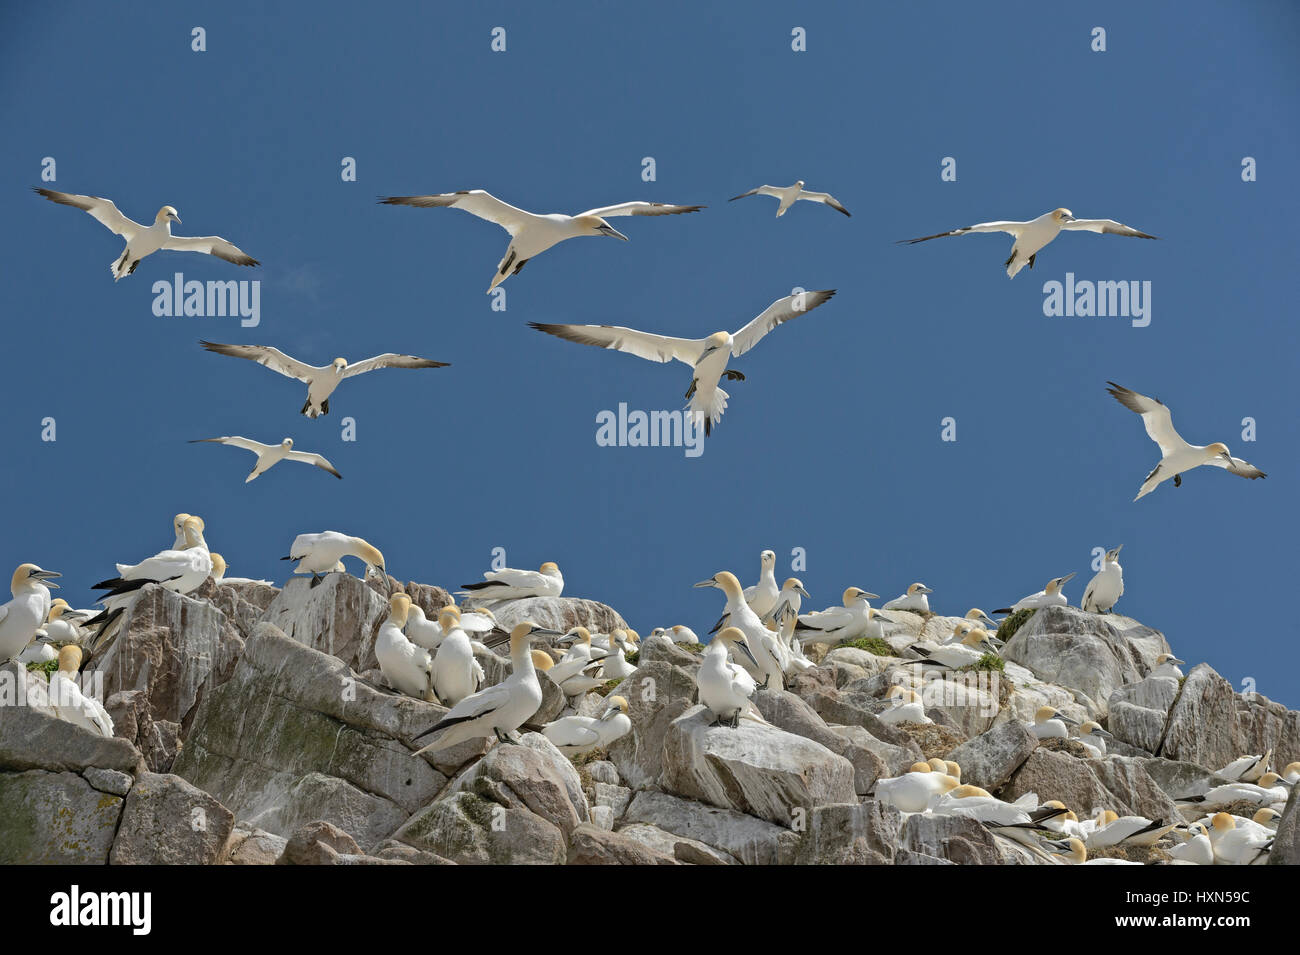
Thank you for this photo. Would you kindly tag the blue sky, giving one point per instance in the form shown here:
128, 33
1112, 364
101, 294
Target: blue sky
832, 444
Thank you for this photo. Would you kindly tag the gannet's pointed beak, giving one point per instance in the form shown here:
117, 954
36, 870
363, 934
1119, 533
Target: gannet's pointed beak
925, 590
1068, 577
745, 649
610, 231
1067, 720
706, 583
44, 577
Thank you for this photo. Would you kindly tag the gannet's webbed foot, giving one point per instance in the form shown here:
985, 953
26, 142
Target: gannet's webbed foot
325, 406
1178, 480
131, 270
735, 720
732, 375
1031, 259
766, 680
1009, 258
315, 581
717, 721
691, 390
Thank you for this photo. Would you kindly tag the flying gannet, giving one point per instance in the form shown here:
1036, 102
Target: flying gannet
268, 455
500, 709
70, 703
530, 233
1176, 455
1050, 596
915, 599
408, 668
787, 196
724, 687
707, 356
456, 674
1105, 589
323, 553
511, 584
576, 735
145, 240
321, 381
22, 616
1033, 235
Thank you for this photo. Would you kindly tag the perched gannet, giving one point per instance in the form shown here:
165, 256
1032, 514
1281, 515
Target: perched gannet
145, 240
321, 381
981, 618
63, 625
481, 620
979, 804
219, 567
614, 666
424, 632
578, 657
761, 644
795, 660
1167, 666
1129, 831
575, 735
907, 707
323, 553
1270, 789
178, 525
456, 674
268, 455
1234, 846
680, 634
1076, 853
912, 791
530, 233
1093, 738
707, 356
1050, 723
511, 584
914, 599
835, 625
1291, 773
1050, 596
21, 617
70, 703
763, 595
1105, 589
787, 196
1031, 236
408, 668
724, 687
791, 595
38, 652
1263, 824
1176, 455
180, 571
1067, 823
971, 648
1197, 849
1246, 768
500, 709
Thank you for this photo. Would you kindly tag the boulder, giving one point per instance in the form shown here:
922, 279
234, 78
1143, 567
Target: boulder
850, 834
957, 839
1286, 845
467, 829
253, 847
55, 818
318, 843
1140, 711
340, 616
657, 693
534, 776
1211, 725
555, 613
788, 712
688, 851
751, 841
591, 846
1120, 783
989, 759
32, 737
167, 821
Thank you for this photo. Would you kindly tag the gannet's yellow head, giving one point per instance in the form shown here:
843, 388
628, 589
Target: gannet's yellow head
1077, 853
541, 659
677, 628
1045, 713
1223, 822
767, 559
1057, 583
1198, 829
793, 585
192, 530
978, 638
1269, 780
1291, 768
339, 365
28, 574
725, 581
1267, 817
57, 606
70, 659
1218, 450
1113, 554
961, 628
919, 767
1168, 658
448, 619
967, 792
896, 692
218, 566
1090, 727
550, 568
633, 637
1106, 817
523, 633
718, 340
287, 444
918, 588
580, 635
953, 769
854, 594
369, 553
177, 521
167, 214
937, 765
595, 225
732, 637
399, 608
615, 704
1062, 215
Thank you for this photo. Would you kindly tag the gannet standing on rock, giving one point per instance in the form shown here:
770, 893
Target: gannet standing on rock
576, 735
837, 624
179, 571
1050, 723
424, 632
70, 703
500, 709
456, 674
680, 634
1167, 666
914, 599
1049, 596
614, 666
146, 240
1105, 589
762, 596
1031, 236
511, 584
269, 455
1246, 768
1176, 455
530, 233
791, 595
761, 642
408, 668
787, 196
323, 553
724, 687
708, 357
321, 381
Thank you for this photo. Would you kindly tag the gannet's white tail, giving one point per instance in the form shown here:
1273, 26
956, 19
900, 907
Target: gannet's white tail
707, 404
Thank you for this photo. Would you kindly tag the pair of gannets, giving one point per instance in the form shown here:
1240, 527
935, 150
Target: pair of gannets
429, 633
708, 357
498, 710
511, 584
834, 625
1271, 788
68, 700
1033, 235
1050, 596
22, 616
915, 599
323, 553
677, 634
1113, 829
145, 240
724, 687
531, 233
971, 645
179, 570
455, 673
983, 806
321, 380
763, 658
787, 196
906, 706
576, 735
1105, 589
914, 790
269, 455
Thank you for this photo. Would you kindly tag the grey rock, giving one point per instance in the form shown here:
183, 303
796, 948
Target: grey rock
1211, 725
254, 847
556, 613
989, 759
752, 841
318, 843
534, 777
108, 780
167, 821
957, 839
657, 693
850, 834
1139, 712
688, 851
31, 737
789, 712
592, 846
340, 616
469, 830
1286, 844
54, 818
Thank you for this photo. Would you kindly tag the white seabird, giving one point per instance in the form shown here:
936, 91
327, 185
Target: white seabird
913, 790
530, 233
787, 196
1105, 589
1270, 789
1176, 455
268, 455
22, 616
680, 634
1093, 738
456, 674
724, 687
791, 595
971, 648
500, 709
980, 804
511, 584
838, 624
64, 625
145, 240
1167, 666
323, 553
760, 641
1246, 768
706, 356
219, 567
575, 735
424, 632
1197, 849
1128, 831
1050, 723
321, 381
1234, 846
906, 706
614, 665
1075, 853
408, 668
762, 596
915, 599
180, 571
1031, 236
1050, 596
70, 703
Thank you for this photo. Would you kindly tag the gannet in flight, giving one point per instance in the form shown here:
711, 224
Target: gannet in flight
1176, 455
761, 597
321, 381
761, 643
787, 196
22, 616
500, 709
145, 240
70, 703
530, 233
1105, 589
323, 553
1167, 666
456, 674
915, 599
511, 584
1033, 235
575, 735
268, 455
724, 687
1050, 723
1049, 596
707, 356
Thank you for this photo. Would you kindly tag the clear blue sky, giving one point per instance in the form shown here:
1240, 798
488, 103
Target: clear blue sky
832, 444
